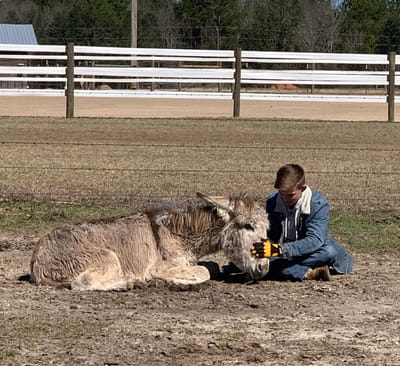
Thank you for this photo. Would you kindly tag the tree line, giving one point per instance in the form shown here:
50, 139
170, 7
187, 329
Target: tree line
371, 26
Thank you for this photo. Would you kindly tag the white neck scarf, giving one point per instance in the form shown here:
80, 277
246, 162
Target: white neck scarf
302, 206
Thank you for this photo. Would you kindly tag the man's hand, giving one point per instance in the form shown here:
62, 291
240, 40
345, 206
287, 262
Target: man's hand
266, 249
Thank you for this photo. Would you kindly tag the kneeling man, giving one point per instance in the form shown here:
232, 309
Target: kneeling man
299, 246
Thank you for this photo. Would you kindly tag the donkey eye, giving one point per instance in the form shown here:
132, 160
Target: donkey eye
249, 227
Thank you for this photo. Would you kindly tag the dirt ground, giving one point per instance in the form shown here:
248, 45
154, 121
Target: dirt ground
352, 320
172, 108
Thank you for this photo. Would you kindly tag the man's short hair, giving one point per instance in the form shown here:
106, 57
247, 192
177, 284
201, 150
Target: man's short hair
289, 176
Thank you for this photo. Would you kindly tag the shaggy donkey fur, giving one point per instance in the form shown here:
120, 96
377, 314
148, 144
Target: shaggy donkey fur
158, 243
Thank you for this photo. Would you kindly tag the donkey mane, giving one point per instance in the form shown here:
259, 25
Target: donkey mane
190, 214
193, 220
194, 217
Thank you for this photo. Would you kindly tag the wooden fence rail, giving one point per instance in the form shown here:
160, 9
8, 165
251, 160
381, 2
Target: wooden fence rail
213, 74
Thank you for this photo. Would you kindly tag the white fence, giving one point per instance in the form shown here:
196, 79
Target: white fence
181, 73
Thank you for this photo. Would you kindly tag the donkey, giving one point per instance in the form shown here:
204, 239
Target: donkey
158, 243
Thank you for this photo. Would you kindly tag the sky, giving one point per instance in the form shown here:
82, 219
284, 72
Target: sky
337, 2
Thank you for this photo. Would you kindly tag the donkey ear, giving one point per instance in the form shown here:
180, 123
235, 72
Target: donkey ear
205, 198
221, 205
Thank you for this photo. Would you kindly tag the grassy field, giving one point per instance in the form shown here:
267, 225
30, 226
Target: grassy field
98, 160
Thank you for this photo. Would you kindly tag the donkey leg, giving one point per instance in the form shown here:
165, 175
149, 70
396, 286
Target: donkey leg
104, 273
182, 274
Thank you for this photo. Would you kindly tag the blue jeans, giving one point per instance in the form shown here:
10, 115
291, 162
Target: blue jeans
295, 268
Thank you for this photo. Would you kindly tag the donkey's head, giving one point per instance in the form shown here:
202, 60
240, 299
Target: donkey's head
246, 223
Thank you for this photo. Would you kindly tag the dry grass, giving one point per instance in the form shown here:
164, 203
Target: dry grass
135, 160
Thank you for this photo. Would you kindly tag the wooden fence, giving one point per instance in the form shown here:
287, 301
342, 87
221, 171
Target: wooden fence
214, 74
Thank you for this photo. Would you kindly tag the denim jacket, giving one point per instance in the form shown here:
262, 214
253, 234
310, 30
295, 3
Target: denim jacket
312, 229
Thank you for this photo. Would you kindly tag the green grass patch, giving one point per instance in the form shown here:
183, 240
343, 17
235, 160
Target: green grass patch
10, 354
367, 232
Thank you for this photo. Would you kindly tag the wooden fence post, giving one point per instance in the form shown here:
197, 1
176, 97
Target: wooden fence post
391, 86
237, 85
69, 92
